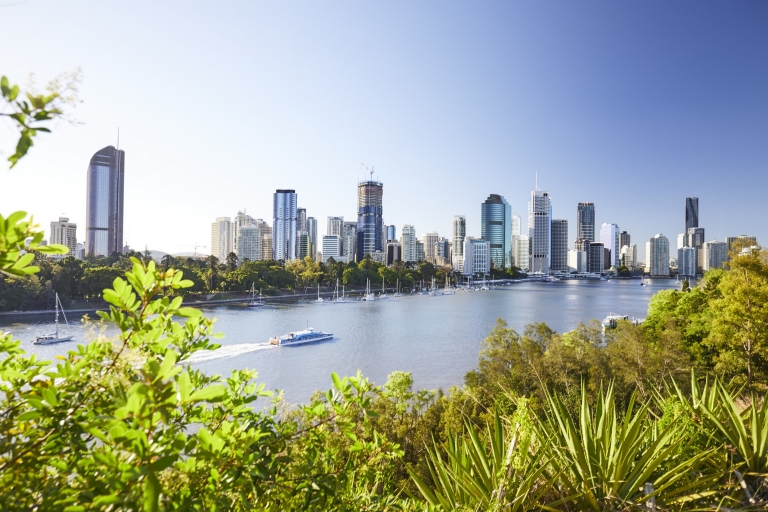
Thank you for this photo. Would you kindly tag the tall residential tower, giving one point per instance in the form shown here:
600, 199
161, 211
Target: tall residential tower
284, 217
496, 228
369, 218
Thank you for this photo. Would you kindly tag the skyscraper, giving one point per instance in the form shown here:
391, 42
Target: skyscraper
248, 243
585, 222
559, 245
691, 213
609, 236
349, 241
64, 232
714, 255
301, 219
657, 256
104, 202
430, 240
686, 262
408, 243
369, 218
624, 239
459, 232
539, 227
335, 225
284, 243
496, 228
222, 241
516, 225
242, 219
521, 249
595, 257
312, 230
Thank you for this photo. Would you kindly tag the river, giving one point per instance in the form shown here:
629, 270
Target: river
435, 338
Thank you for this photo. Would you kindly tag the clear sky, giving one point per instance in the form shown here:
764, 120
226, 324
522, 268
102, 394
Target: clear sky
630, 105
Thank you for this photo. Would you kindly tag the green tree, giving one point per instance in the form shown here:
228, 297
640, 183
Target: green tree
740, 320
231, 262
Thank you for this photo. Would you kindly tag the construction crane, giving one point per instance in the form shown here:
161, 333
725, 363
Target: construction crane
368, 170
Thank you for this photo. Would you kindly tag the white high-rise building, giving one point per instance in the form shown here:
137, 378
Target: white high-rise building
629, 256
609, 236
429, 240
577, 261
222, 242
64, 232
681, 241
715, 254
241, 219
331, 247
248, 243
516, 225
477, 256
284, 214
335, 226
459, 232
521, 252
408, 242
539, 230
657, 256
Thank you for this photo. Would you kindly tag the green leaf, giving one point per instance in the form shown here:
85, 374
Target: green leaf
151, 493
211, 393
188, 312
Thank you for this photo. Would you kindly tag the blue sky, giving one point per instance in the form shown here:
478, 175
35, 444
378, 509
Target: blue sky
633, 106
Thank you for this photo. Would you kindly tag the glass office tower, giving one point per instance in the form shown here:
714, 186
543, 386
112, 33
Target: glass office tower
496, 228
369, 218
104, 202
691, 213
284, 217
585, 222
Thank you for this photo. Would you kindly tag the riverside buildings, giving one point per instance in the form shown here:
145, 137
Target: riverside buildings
609, 236
585, 222
691, 213
496, 228
64, 232
686, 262
539, 226
714, 255
477, 256
430, 245
104, 202
459, 233
284, 216
331, 247
559, 245
657, 254
408, 243
222, 241
369, 218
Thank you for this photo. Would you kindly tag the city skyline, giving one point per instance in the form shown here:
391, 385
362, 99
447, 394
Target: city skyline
677, 112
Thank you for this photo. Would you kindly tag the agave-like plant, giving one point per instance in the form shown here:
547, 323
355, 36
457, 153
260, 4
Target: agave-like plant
608, 461
744, 432
484, 472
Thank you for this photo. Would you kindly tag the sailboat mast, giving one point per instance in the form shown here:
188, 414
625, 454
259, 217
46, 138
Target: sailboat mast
56, 305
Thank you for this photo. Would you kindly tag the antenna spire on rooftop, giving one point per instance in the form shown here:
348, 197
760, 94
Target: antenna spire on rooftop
537, 181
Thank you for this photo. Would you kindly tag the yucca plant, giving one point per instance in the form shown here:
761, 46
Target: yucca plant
743, 430
484, 472
606, 460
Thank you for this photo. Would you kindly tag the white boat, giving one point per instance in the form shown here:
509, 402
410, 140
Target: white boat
339, 299
253, 303
48, 339
308, 335
612, 320
319, 298
447, 290
383, 294
368, 295
397, 290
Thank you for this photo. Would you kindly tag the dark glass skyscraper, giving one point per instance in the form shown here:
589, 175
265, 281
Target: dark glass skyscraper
559, 245
496, 228
585, 222
369, 218
104, 202
691, 213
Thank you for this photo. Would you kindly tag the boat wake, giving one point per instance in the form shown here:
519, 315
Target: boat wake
227, 351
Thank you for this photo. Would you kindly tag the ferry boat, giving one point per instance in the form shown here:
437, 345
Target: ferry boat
612, 320
308, 335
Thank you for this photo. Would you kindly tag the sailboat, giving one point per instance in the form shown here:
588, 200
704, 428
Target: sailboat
397, 290
48, 339
368, 295
339, 299
447, 290
432, 290
253, 303
383, 294
319, 298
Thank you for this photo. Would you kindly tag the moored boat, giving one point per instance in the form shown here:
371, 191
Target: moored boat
47, 339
